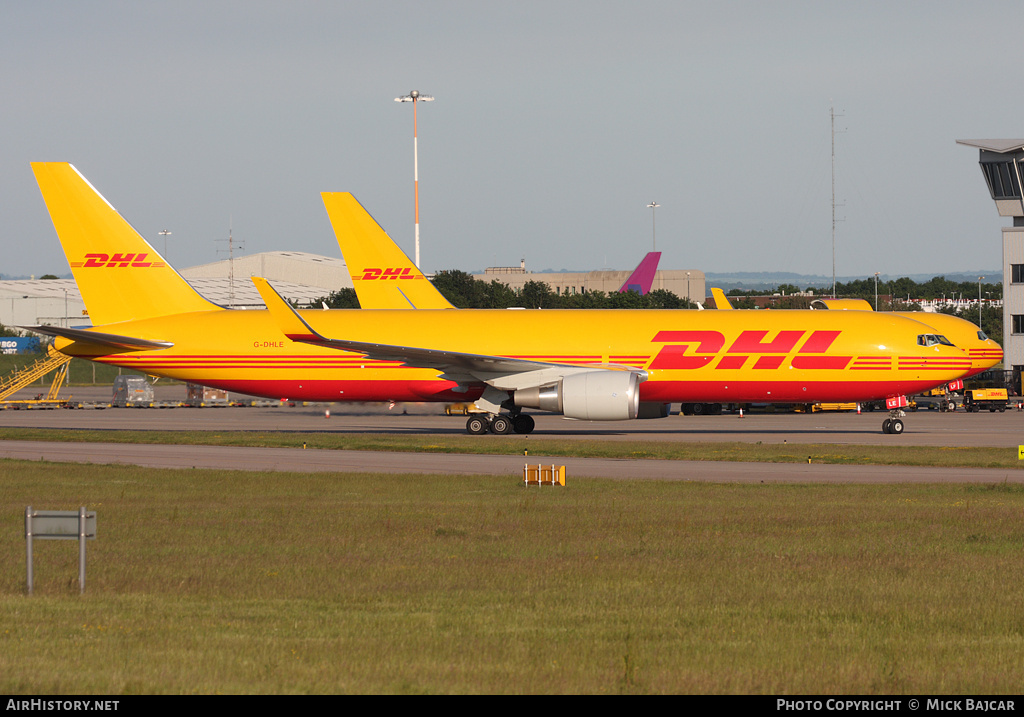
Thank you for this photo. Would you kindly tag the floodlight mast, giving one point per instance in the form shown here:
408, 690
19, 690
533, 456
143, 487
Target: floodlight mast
165, 234
415, 97
654, 239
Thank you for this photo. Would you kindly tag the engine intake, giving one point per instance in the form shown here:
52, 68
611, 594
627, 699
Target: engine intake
588, 396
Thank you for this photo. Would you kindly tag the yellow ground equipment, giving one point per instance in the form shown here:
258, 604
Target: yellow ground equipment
17, 380
543, 475
833, 407
994, 399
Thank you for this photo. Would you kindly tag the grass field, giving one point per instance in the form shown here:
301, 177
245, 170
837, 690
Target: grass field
237, 582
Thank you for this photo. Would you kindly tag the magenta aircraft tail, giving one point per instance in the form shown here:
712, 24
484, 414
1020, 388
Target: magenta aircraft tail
643, 276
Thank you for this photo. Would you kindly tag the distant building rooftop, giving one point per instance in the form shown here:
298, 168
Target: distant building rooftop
298, 276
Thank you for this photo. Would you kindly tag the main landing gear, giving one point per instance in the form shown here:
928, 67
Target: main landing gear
894, 424
499, 424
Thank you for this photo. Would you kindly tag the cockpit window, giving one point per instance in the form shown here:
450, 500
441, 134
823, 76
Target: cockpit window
982, 336
933, 340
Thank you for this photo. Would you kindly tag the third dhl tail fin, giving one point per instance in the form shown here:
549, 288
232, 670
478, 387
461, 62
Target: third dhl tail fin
721, 301
383, 276
120, 275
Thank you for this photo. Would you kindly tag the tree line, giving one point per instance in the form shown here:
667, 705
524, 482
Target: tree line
465, 292
937, 288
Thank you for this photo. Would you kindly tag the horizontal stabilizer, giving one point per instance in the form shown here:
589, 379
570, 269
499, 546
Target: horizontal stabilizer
123, 343
841, 304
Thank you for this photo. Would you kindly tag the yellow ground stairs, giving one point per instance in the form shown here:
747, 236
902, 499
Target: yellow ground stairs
21, 378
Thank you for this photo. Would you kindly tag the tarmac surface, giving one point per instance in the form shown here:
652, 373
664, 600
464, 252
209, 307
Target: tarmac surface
924, 428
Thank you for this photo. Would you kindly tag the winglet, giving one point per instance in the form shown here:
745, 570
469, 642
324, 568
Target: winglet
721, 301
288, 320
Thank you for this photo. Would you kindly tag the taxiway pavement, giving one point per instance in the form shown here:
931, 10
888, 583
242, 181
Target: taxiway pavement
926, 428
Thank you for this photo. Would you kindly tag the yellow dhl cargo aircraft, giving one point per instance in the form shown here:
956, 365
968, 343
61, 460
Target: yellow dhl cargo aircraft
584, 364
983, 351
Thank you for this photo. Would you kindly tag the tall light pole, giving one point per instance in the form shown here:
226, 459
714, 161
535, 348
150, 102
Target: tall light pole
165, 234
415, 97
654, 239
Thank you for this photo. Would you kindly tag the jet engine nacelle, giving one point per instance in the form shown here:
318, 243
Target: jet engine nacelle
588, 396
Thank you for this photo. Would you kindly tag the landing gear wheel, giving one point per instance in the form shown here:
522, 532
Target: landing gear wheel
477, 425
523, 424
501, 425
893, 426
698, 409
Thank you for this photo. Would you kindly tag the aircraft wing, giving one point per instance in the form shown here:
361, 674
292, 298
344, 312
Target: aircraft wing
115, 341
499, 371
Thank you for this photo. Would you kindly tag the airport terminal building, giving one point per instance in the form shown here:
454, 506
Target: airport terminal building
1002, 166
686, 284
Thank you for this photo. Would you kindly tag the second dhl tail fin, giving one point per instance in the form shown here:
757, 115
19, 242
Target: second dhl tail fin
383, 276
120, 275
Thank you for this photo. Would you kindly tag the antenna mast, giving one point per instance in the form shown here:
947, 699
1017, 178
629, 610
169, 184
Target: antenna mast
833, 115
231, 262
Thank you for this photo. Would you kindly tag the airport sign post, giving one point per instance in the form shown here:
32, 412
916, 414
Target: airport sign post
59, 525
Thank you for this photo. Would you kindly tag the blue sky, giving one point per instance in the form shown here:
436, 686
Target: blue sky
555, 125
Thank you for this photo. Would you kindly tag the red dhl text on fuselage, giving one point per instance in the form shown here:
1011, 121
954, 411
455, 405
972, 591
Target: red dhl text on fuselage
689, 355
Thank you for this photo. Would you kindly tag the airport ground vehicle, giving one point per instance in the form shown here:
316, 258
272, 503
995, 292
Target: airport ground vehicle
994, 399
131, 391
198, 396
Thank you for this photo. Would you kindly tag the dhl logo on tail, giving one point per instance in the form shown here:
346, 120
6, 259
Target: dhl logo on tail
116, 260
396, 272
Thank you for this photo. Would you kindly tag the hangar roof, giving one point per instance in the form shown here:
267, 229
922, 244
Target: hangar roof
298, 276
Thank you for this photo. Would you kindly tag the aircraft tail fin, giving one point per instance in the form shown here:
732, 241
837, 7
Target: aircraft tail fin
721, 300
383, 276
642, 277
120, 275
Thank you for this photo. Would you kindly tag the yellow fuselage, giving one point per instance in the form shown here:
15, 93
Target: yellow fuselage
724, 356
